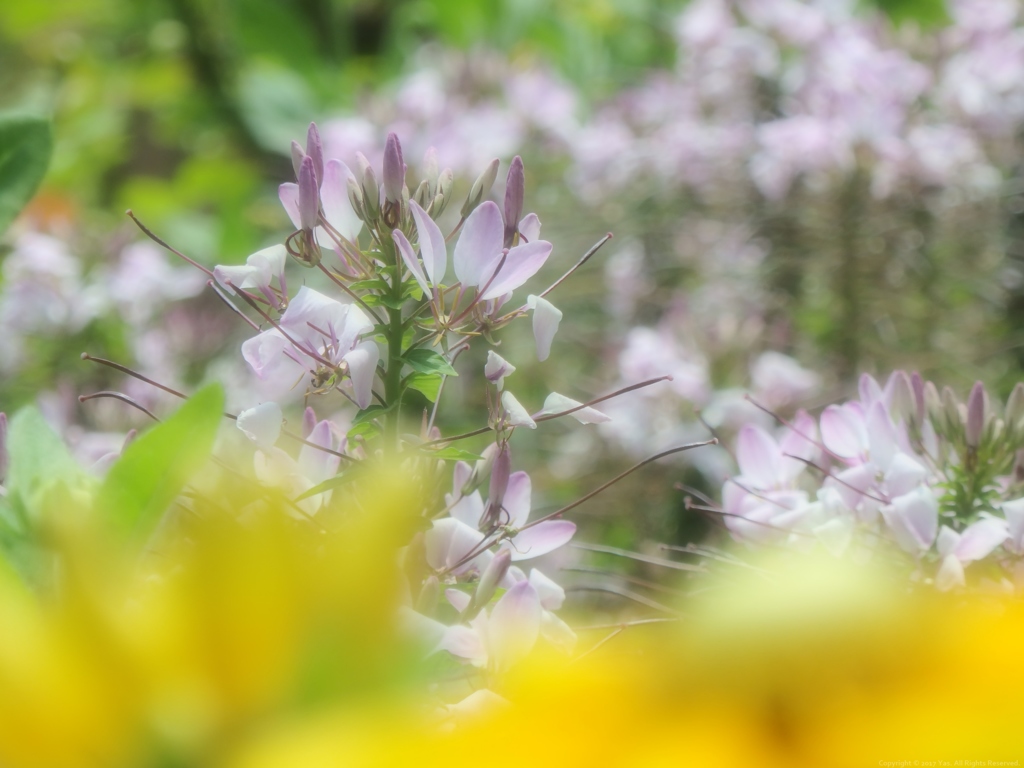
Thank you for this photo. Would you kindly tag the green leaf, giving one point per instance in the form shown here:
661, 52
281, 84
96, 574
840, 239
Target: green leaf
39, 461
427, 383
367, 430
154, 468
375, 285
327, 485
372, 413
455, 454
428, 361
25, 147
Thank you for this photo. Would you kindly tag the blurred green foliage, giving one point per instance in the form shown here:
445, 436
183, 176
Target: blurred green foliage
25, 146
184, 109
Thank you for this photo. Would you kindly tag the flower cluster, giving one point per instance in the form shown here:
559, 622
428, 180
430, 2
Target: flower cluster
902, 467
400, 315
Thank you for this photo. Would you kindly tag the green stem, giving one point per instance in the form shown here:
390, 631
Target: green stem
393, 376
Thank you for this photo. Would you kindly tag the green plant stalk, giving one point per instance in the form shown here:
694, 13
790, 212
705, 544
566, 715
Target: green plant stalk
393, 375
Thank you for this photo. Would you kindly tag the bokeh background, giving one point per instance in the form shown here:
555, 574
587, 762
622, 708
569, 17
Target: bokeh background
800, 190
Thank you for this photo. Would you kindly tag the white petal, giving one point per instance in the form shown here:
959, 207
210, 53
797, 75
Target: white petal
950, 575
362, 368
546, 317
556, 403
497, 368
261, 424
550, 593
517, 415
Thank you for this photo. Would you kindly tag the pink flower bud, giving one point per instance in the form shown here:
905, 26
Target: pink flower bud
491, 578
309, 196
315, 149
515, 185
499, 476
394, 169
917, 385
975, 414
297, 155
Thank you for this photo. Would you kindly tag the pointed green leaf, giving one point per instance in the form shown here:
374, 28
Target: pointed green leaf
327, 485
427, 383
154, 468
455, 454
39, 461
25, 147
428, 361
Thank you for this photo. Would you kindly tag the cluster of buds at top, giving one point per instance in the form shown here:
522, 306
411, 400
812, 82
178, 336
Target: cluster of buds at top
985, 435
385, 206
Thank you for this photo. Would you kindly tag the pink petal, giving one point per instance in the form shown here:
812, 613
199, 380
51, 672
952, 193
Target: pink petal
903, 475
542, 538
288, 194
869, 390
798, 441
433, 250
317, 465
759, 457
979, 539
334, 197
843, 432
517, 499
513, 625
469, 509
852, 483
459, 600
914, 520
529, 228
448, 541
479, 243
882, 438
405, 249
465, 643
522, 263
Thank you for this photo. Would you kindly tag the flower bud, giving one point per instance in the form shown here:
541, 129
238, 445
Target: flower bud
1015, 406
355, 197
490, 579
422, 194
951, 411
497, 368
976, 414
481, 188
394, 169
315, 150
297, 155
917, 387
309, 196
445, 182
368, 184
430, 170
933, 404
901, 404
500, 473
515, 186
